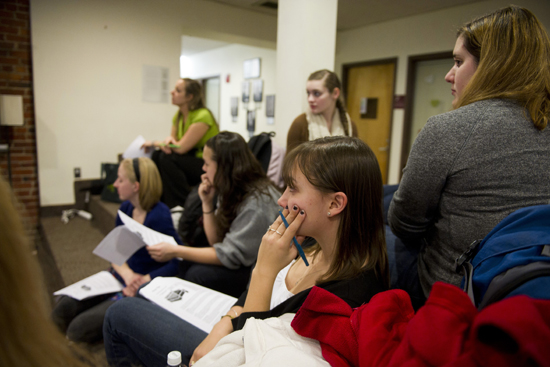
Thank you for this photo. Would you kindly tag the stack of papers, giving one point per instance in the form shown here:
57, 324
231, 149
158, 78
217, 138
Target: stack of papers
123, 241
117, 247
198, 305
135, 151
100, 283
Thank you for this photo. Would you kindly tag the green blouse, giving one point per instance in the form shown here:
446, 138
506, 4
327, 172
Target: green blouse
202, 115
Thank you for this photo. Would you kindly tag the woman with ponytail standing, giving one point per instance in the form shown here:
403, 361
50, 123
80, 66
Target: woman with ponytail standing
326, 115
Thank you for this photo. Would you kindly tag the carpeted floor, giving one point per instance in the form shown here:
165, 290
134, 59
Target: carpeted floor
71, 246
64, 252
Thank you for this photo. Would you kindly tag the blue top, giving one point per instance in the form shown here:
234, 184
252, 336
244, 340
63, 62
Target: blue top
158, 219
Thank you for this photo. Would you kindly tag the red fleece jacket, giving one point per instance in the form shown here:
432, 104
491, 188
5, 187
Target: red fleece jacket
446, 331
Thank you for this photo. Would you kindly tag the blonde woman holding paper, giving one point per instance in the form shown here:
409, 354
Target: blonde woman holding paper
139, 186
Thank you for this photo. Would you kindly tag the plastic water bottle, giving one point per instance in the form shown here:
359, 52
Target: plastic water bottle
174, 359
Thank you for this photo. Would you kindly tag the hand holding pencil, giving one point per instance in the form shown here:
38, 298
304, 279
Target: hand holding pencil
278, 248
298, 246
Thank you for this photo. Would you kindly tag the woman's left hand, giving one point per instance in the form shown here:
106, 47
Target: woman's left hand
207, 191
277, 249
161, 252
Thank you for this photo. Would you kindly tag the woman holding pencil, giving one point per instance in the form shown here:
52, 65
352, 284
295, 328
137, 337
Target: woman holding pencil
334, 195
179, 156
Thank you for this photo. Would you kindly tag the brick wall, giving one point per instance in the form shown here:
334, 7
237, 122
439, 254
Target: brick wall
16, 78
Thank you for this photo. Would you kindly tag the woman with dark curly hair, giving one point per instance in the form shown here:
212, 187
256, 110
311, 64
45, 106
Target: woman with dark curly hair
234, 223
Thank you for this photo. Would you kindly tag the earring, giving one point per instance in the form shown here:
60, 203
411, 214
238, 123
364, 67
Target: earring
328, 214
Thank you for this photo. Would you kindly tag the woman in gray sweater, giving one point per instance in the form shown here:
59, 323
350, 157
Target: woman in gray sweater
471, 167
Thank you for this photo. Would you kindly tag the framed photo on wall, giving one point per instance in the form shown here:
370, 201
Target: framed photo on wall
246, 92
251, 122
257, 90
234, 108
270, 105
251, 68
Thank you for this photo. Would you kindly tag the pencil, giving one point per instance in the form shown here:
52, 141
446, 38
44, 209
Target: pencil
298, 247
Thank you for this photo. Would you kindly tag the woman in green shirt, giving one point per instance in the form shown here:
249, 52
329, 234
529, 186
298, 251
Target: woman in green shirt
179, 156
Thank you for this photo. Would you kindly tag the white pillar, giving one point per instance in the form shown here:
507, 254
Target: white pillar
306, 42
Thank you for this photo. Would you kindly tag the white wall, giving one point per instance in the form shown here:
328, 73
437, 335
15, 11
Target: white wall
306, 42
427, 33
229, 60
87, 66
431, 93
88, 57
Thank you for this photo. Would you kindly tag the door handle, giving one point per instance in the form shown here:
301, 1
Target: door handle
384, 149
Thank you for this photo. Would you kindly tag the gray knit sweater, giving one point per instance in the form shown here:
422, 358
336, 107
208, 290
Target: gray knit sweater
467, 170
240, 245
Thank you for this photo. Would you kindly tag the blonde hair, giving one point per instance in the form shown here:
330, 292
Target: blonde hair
150, 183
512, 50
29, 338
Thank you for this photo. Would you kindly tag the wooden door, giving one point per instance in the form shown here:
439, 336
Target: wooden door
374, 82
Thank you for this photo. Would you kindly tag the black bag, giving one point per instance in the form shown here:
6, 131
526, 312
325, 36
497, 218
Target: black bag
260, 145
190, 226
109, 174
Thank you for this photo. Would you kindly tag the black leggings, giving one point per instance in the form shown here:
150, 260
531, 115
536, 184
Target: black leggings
179, 173
82, 321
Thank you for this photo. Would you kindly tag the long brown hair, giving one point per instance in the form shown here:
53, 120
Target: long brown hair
194, 88
28, 337
331, 81
348, 165
238, 175
512, 49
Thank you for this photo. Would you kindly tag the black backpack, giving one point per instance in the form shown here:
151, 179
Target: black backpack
260, 145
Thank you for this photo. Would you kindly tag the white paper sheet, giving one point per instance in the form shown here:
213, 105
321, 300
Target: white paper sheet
149, 236
119, 245
199, 306
100, 283
134, 149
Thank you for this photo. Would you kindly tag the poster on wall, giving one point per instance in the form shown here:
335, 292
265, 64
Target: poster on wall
251, 68
155, 84
246, 92
234, 108
270, 108
257, 89
251, 122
